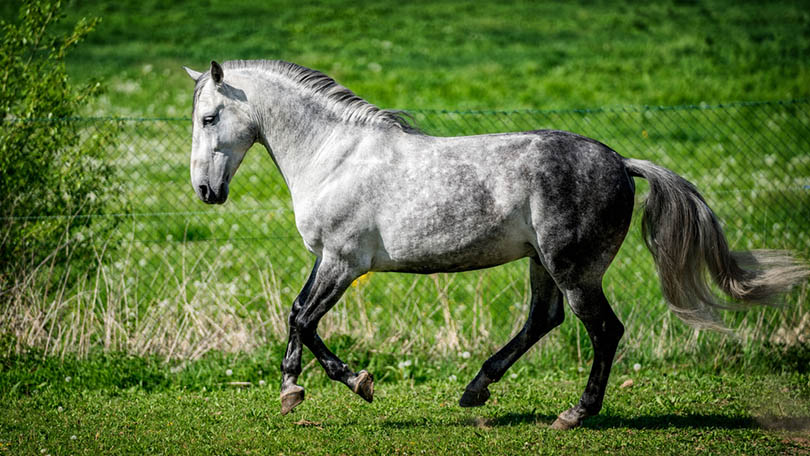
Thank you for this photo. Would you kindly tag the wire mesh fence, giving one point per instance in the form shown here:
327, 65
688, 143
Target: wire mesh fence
751, 161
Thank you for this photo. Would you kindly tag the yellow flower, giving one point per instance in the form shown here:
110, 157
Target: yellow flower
362, 280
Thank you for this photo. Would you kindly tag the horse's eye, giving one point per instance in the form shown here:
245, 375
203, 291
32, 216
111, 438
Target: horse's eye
208, 120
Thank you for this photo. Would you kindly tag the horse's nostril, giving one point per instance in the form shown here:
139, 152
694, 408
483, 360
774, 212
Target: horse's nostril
204, 192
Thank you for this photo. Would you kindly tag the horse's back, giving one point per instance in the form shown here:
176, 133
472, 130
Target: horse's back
478, 201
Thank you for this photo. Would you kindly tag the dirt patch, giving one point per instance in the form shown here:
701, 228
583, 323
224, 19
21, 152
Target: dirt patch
785, 423
481, 422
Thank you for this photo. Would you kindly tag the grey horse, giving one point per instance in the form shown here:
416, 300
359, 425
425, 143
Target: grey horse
372, 193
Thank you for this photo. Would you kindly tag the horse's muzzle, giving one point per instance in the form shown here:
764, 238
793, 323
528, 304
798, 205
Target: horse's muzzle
207, 195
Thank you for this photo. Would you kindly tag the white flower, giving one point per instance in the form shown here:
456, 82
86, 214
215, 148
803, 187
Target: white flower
68, 379
261, 382
404, 364
637, 367
465, 355
513, 376
452, 377
228, 372
73, 437
59, 409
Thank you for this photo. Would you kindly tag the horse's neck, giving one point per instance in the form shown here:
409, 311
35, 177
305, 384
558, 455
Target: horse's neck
305, 140
305, 160
293, 131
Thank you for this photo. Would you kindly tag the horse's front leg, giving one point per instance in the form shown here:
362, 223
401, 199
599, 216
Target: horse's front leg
292, 394
328, 281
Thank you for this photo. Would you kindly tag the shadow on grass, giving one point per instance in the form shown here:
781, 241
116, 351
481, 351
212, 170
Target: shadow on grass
697, 421
652, 422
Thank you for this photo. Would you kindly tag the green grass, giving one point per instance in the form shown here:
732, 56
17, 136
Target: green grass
119, 405
456, 55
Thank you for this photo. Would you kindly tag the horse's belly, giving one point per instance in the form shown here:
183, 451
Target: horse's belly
462, 249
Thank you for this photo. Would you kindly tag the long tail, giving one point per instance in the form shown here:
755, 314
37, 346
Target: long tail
688, 246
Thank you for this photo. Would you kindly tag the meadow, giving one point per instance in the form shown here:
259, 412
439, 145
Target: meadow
87, 409
191, 291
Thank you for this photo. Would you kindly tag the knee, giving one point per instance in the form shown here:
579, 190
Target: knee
609, 330
612, 326
296, 309
305, 326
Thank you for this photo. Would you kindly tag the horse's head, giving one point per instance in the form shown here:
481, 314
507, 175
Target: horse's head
223, 129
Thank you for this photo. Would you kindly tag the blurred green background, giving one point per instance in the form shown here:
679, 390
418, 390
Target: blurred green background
455, 55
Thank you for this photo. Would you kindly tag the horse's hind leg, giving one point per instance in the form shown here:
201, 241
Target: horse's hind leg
605, 330
545, 313
327, 283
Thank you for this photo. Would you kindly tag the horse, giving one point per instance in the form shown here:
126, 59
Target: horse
371, 192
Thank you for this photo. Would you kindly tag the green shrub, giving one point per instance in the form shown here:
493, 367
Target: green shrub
53, 176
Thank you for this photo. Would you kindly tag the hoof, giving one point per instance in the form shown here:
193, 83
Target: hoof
290, 398
474, 398
569, 419
564, 425
364, 385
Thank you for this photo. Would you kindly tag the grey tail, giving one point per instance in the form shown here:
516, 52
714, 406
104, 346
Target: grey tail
689, 248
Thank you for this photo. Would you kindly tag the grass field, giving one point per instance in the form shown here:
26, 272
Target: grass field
127, 406
189, 302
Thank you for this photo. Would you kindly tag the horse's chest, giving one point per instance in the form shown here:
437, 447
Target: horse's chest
333, 227
310, 230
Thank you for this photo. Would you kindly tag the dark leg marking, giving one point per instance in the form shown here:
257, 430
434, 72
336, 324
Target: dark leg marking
545, 313
291, 393
325, 287
605, 331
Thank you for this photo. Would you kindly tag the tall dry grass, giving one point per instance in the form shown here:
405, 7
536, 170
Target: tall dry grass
63, 311
191, 311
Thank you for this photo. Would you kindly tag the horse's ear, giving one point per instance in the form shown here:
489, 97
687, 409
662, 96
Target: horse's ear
216, 73
195, 75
